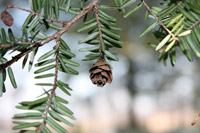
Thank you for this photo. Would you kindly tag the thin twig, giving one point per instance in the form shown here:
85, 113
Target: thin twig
7, 45
54, 88
68, 25
194, 25
17, 57
40, 15
100, 32
158, 20
65, 28
13, 45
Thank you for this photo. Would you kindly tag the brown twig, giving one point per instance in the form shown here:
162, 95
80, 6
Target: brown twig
30, 11
13, 45
158, 20
17, 57
54, 88
68, 25
100, 32
65, 28
194, 25
7, 45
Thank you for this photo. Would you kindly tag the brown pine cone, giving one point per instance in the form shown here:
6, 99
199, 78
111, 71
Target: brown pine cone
100, 73
6, 18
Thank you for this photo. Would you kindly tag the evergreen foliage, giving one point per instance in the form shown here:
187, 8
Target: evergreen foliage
176, 26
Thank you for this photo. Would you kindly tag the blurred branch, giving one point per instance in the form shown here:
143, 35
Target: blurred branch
194, 25
196, 119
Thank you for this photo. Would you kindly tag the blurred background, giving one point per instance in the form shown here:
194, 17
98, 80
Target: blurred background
145, 96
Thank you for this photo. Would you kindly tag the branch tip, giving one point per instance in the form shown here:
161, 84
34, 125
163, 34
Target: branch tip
159, 21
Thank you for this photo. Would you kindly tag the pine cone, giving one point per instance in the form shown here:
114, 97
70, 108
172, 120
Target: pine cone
100, 73
6, 18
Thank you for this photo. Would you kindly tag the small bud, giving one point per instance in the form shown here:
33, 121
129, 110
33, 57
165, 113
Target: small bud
6, 18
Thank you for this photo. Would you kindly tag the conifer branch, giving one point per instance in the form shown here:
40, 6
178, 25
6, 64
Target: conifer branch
66, 27
100, 32
17, 57
54, 87
159, 21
